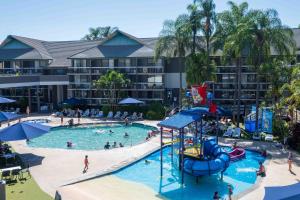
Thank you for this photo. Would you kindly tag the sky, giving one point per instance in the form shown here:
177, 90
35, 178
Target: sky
56, 20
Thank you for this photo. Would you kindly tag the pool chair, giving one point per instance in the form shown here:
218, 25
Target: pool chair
269, 138
134, 116
100, 114
125, 114
110, 115
236, 133
256, 136
140, 116
86, 113
93, 113
228, 132
117, 115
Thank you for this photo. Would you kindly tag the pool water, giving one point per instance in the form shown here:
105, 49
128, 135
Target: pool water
241, 175
92, 137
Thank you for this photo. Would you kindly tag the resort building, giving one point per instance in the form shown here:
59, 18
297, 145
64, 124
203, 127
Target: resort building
43, 73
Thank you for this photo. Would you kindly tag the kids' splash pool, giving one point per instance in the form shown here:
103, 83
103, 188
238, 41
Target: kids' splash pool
241, 175
92, 137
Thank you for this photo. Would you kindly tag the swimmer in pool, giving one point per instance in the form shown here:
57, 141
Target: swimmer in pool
126, 134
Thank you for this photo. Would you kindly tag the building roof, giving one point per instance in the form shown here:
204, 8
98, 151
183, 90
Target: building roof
60, 51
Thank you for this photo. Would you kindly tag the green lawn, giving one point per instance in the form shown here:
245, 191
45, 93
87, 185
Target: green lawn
25, 190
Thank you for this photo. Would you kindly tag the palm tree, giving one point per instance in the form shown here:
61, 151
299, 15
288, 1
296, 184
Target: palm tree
194, 22
231, 37
111, 81
174, 41
208, 20
267, 33
99, 33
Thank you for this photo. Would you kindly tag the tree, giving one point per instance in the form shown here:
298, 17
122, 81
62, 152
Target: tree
194, 23
231, 36
208, 20
99, 33
267, 33
197, 70
174, 41
112, 82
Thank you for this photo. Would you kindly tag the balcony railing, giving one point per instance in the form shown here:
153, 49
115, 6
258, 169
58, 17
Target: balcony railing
20, 71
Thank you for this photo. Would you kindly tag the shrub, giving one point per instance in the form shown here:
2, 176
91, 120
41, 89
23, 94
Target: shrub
156, 111
105, 110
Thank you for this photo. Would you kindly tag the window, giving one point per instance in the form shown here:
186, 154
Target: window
79, 63
18, 64
43, 63
150, 62
95, 63
104, 63
28, 64
133, 61
141, 62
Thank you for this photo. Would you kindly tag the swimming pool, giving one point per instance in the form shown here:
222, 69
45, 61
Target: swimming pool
92, 137
241, 175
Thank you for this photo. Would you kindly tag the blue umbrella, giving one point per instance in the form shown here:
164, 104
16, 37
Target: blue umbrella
6, 100
6, 116
130, 101
23, 131
291, 192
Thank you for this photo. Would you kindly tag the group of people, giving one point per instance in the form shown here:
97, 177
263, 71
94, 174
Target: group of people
71, 121
114, 145
230, 193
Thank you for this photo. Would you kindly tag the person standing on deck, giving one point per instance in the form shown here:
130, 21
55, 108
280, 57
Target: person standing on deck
86, 164
78, 115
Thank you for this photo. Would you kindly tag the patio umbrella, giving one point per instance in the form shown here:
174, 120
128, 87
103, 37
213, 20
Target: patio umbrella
130, 101
6, 100
23, 131
6, 116
289, 192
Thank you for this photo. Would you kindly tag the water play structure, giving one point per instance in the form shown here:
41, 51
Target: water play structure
214, 160
197, 155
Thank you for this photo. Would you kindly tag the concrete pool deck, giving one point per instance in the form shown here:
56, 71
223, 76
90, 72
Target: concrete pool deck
53, 168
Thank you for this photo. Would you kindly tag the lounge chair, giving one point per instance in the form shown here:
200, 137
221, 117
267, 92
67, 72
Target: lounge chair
117, 115
100, 114
125, 114
269, 137
228, 132
140, 117
256, 136
110, 115
134, 116
93, 112
86, 113
236, 133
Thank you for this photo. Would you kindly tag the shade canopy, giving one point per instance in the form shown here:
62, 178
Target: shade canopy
130, 101
23, 131
6, 116
6, 100
289, 192
73, 101
186, 117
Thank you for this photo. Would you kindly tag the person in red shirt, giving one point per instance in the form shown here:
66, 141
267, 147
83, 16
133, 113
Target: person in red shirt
86, 164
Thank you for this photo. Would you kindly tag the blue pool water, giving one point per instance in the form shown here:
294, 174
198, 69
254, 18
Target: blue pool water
92, 137
241, 175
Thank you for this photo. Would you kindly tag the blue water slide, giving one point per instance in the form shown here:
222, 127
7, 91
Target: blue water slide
216, 160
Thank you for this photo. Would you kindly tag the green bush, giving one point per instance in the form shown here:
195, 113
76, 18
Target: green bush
105, 110
156, 111
280, 128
